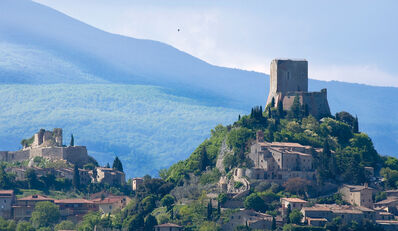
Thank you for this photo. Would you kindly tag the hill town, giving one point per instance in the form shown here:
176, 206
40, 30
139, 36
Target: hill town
290, 166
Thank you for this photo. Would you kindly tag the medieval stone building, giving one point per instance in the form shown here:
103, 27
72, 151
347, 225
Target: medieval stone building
278, 161
289, 79
48, 144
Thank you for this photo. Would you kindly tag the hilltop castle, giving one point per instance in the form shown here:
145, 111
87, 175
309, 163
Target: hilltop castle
288, 79
47, 144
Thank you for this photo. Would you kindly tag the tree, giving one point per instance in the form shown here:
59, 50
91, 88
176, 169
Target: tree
273, 102
107, 165
76, 178
355, 127
203, 159
281, 113
31, 177
149, 222
24, 226
45, 214
295, 217
297, 186
295, 109
5, 180
134, 222
72, 140
273, 227
65, 225
209, 211
117, 164
167, 201
255, 202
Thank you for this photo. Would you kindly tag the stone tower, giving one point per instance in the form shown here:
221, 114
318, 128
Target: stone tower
289, 79
287, 75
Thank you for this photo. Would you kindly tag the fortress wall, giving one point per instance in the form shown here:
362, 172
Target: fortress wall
53, 153
76, 154
4, 156
317, 102
14, 156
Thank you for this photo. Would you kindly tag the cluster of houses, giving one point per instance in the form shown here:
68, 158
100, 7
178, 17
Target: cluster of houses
71, 209
359, 206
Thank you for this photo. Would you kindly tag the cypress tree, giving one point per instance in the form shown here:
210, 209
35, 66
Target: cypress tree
239, 117
355, 127
209, 210
269, 113
117, 164
72, 140
204, 160
76, 177
280, 109
273, 223
273, 102
107, 165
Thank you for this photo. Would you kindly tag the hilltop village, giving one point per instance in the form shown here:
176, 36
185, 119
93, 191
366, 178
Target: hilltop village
291, 166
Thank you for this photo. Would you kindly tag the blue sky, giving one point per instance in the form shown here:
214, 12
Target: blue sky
352, 41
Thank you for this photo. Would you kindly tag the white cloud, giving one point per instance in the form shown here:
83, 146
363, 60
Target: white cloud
366, 74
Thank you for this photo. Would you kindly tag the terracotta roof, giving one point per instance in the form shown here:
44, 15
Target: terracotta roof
387, 201
36, 198
295, 200
138, 178
288, 144
356, 188
73, 201
316, 219
6, 193
385, 213
351, 211
108, 200
168, 225
316, 208
387, 222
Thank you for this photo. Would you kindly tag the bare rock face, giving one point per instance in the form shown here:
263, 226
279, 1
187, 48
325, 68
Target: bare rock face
289, 79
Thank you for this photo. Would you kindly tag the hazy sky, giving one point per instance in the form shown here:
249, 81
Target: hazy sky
352, 41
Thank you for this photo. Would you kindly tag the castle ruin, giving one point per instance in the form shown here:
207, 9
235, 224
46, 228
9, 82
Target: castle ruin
289, 79
47, 144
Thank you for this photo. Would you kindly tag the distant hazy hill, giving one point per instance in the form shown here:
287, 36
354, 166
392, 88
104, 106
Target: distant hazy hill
143, 100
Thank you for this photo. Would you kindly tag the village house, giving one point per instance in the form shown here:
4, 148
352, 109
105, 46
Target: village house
392, 193
320, 222
136, 183
70, 208
280, 161
347, 213
294, 203
111, 204
110, 176
168, 227
388, 225
24, 207
7, 199
388, 205
357, 195
253, 219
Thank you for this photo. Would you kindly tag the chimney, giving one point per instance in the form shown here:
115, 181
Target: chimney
259, 136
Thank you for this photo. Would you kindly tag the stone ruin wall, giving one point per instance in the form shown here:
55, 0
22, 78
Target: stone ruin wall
76, 155
14, 156
317, 102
